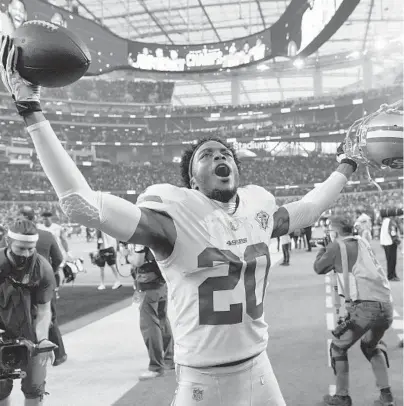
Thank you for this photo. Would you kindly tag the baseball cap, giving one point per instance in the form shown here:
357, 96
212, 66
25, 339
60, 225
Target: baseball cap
47, 214
28, 213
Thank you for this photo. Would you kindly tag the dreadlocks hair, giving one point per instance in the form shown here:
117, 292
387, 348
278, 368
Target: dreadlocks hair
187, 155
24, 226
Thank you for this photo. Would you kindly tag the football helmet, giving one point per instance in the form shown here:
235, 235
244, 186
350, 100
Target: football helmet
377, 139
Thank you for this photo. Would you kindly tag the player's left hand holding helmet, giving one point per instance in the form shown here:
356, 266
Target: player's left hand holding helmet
342, 157
26, 95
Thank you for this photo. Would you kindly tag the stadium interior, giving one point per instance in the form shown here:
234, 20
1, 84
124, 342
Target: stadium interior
126, 126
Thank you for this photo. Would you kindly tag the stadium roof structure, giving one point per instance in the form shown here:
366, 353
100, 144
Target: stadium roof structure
373, 23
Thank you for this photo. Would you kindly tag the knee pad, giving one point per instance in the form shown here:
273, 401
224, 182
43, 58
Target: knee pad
370, 352
337, 354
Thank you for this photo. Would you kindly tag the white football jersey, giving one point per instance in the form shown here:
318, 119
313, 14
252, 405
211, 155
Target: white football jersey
217, 273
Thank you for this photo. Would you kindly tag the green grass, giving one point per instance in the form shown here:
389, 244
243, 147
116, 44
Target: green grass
79, 301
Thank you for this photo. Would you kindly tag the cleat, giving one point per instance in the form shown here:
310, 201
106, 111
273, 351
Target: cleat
385, 399
150, 375
116, 285
337, 400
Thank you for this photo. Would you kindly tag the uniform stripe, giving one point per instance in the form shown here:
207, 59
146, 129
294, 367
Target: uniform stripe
151, 198
385, 128
386, 136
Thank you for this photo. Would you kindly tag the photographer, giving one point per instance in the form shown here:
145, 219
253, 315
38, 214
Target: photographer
368, 305
154, 323
27, 284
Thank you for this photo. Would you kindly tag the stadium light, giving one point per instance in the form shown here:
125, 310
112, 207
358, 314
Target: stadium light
298, 63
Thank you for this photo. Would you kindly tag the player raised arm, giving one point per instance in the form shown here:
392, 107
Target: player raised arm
306, 211
115, 216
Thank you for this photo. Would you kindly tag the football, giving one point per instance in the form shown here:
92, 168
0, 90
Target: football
50, 55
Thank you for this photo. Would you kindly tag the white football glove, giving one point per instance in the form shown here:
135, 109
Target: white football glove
343, 155
20, 89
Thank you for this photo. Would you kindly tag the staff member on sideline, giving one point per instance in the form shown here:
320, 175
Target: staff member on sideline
390, 240
49, 249
154, 324
370, 312
106, 246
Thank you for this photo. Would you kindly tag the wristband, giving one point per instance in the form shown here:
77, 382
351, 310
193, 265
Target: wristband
350, 162
27, 107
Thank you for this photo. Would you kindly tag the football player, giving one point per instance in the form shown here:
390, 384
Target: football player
211, 240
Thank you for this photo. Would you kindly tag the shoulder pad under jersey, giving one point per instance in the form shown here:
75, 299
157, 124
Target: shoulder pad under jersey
159, 197
261, 195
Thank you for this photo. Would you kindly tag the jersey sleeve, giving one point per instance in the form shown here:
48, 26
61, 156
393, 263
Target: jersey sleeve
162, 198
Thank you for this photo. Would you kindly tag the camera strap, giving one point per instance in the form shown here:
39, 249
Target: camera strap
345, 271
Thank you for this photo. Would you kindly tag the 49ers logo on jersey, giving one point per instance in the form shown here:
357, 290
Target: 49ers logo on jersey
197, 394
262, 218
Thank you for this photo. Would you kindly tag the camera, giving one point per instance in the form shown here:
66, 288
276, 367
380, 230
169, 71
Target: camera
15, 354
325, 241
342, 327
94, 257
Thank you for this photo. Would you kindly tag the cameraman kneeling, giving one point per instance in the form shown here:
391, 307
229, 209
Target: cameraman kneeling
27, 285
368, 303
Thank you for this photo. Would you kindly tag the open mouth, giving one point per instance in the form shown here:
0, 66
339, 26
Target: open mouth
222, 170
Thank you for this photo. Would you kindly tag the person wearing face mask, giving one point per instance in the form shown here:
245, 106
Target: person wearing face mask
27, 283
369, 308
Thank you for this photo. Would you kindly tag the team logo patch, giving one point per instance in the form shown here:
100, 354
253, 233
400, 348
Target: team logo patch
197, 394
263, 219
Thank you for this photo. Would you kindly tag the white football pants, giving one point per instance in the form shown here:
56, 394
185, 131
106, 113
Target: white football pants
252, 383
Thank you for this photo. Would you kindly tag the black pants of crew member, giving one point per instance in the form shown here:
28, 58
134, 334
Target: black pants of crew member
156, 329
286, 253
307, 233
391, 257
54, 332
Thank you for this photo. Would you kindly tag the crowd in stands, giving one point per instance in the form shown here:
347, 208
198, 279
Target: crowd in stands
157, 134
120, 91
160, 94
269, 173
110, 128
